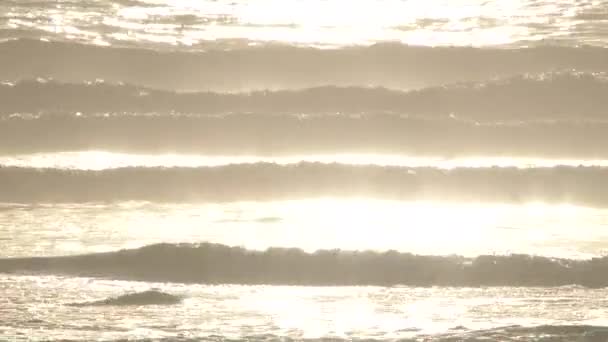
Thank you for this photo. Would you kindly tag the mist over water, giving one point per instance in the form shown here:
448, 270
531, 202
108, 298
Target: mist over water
413, 170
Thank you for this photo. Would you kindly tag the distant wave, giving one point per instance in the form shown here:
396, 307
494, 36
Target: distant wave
261, 134
567, 95
279, 67
149, 297
219, 264
262, 181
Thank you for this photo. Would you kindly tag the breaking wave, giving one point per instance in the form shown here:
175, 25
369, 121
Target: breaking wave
546, 96
149, 297
219, 264
264, 181
268, 134
245, 68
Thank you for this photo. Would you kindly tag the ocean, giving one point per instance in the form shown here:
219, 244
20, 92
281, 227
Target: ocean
319, 170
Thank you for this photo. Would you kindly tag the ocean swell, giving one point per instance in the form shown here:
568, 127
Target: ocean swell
245, 68
219, 264
265, 181
268, 134
568, 95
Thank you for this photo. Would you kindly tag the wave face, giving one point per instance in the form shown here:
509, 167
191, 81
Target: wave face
545, 96
261, 181
219, 264
389, 65
244, 134
150, 297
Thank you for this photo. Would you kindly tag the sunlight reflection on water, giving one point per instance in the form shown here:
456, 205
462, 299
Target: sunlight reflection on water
354, 224
233, 311
322, 23
99, 160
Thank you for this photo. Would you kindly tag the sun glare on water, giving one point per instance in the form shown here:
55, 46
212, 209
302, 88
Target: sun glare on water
99, 160
341, 22
427, 228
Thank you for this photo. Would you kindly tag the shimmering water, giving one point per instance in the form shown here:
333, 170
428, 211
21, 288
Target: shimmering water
426, 228
101, 160
39, 309
190, 23
436, 149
